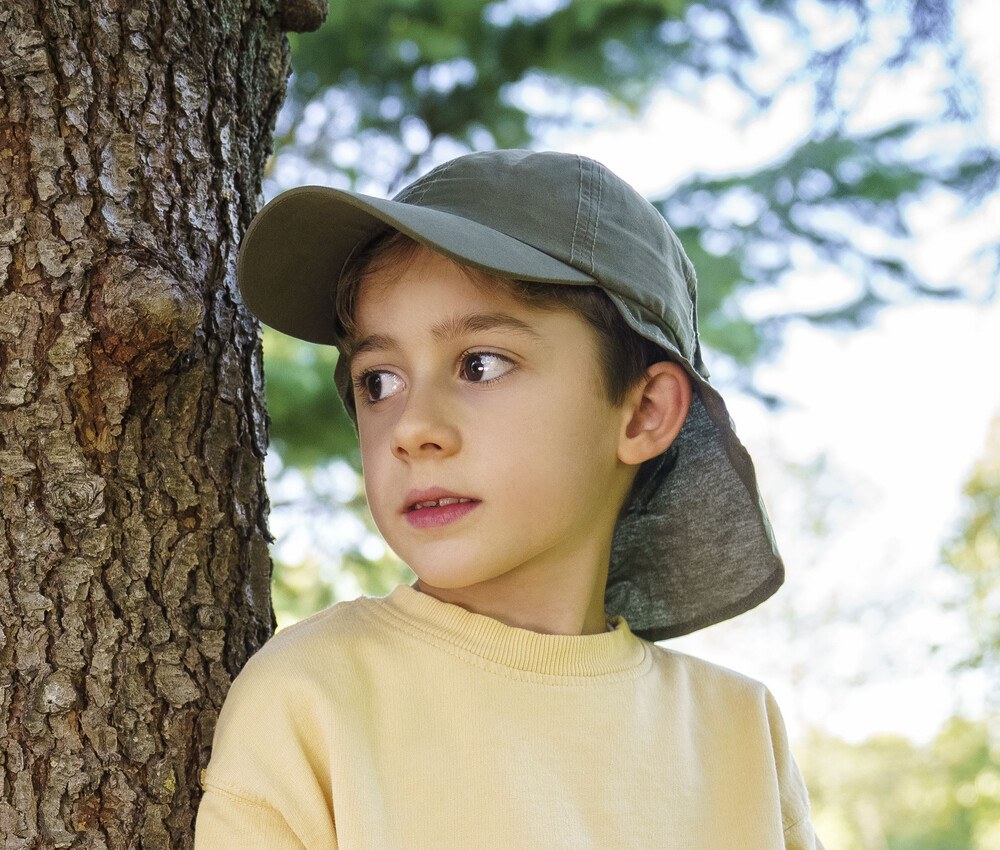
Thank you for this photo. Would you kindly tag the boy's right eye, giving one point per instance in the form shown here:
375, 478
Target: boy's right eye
378, 385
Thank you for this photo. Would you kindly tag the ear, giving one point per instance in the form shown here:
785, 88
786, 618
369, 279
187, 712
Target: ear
654, 412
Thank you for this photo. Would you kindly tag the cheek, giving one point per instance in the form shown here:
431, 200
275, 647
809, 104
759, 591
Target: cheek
372, 435
560, 438
374, 457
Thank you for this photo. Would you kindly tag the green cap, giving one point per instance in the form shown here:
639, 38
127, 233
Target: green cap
694, 546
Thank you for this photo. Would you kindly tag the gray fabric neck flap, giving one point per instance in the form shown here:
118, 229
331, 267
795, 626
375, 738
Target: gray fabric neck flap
675, 547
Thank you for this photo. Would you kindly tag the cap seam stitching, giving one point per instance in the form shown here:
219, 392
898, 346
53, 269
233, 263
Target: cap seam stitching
579, 206
431, 178
597, 219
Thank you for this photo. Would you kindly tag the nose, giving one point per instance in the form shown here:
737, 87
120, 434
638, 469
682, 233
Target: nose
424, 428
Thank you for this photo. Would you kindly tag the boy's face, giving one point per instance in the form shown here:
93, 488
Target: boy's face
467, 394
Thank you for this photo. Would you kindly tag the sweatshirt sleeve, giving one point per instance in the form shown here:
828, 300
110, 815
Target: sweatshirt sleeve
228, 821
267, 784
798, 828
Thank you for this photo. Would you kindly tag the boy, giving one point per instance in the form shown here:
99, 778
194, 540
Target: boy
541, 446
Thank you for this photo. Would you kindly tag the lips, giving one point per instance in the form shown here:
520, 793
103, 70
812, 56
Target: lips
435, 507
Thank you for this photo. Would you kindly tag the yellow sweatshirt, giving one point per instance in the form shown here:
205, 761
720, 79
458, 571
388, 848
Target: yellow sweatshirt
407, 722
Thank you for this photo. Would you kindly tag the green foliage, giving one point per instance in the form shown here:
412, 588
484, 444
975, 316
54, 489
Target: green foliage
889, 793
342, 559
974, 553
311, 424
298, 590
805, 201
451, 65
303, 588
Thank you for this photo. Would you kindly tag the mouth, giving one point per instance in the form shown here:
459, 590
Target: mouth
436, 507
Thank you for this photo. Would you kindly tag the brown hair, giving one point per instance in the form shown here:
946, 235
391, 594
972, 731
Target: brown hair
623, 355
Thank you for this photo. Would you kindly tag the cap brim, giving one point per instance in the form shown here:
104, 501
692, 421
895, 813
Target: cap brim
295, 249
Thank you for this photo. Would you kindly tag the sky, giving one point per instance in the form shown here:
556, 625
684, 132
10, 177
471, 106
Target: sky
893, 417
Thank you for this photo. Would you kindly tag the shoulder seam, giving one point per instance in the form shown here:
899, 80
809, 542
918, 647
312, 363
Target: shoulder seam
238, 796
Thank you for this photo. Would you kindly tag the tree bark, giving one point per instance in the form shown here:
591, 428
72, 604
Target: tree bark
133, 516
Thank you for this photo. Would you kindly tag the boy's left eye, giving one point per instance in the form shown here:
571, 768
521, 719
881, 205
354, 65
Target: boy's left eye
483, 366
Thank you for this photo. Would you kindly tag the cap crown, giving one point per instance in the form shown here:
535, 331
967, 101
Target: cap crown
576, 210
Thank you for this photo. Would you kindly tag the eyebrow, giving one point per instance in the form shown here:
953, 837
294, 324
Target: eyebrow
451, 328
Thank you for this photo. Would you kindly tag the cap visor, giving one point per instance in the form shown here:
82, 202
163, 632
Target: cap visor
295, 249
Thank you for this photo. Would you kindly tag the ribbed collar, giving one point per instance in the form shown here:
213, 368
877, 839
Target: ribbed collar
514, 648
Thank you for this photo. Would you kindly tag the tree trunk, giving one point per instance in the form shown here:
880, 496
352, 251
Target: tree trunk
133, 517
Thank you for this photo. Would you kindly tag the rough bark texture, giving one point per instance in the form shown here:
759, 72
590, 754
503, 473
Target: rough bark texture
133, 537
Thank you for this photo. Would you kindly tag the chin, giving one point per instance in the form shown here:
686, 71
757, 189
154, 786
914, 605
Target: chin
452, 579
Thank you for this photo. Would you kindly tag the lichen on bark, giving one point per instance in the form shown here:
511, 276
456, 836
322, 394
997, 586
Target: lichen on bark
133, 540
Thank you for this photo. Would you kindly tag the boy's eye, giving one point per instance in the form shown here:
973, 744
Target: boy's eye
482, 366
379, 385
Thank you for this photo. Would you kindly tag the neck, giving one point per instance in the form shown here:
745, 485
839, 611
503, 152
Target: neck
570, 603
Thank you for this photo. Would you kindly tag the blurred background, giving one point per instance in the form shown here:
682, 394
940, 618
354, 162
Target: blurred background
832, 168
